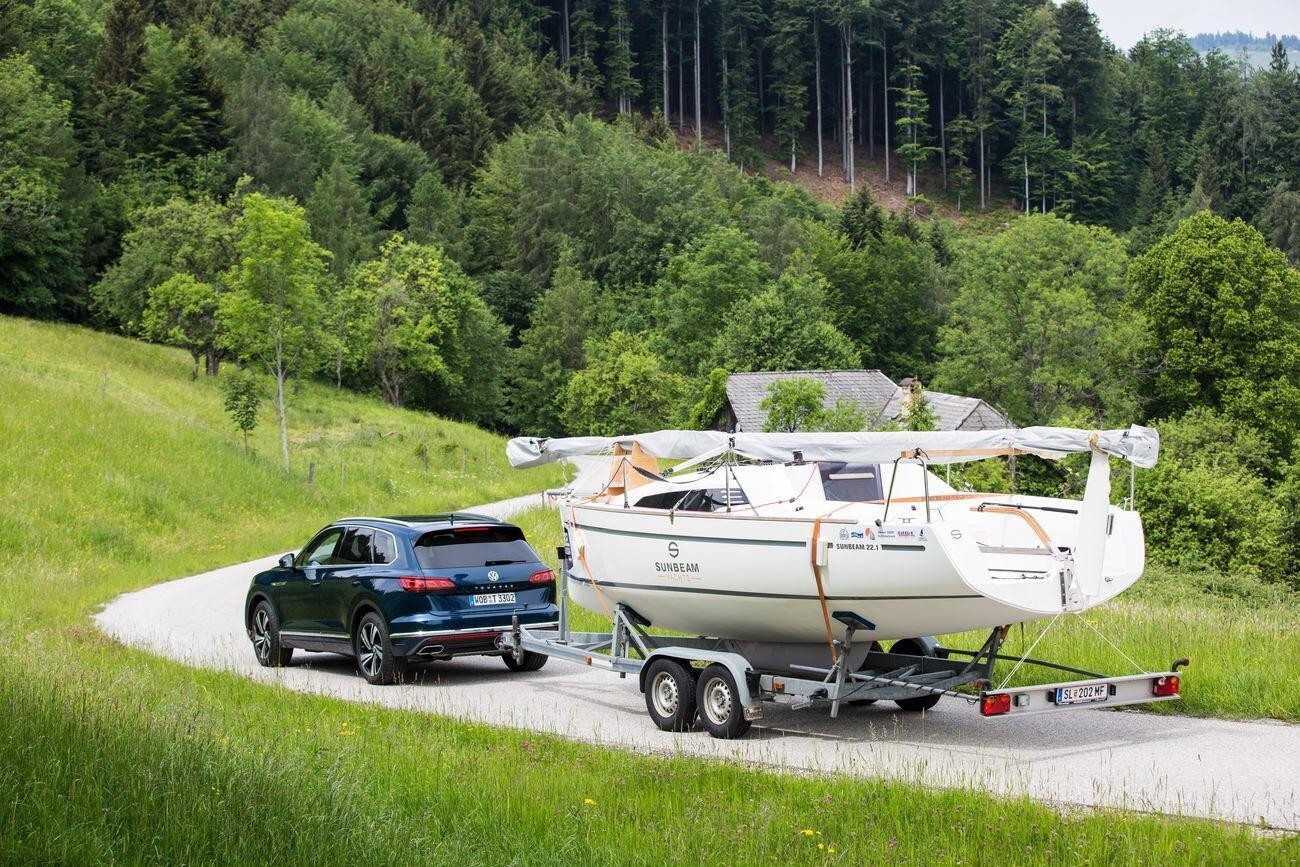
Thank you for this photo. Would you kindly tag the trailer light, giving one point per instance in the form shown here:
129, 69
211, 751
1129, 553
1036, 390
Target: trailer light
545, 576
1166, 685
417, 583
993, 705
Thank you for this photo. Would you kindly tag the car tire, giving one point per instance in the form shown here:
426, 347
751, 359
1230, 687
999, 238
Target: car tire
670, 694
530, 661
265, 635
376, 661
718, 700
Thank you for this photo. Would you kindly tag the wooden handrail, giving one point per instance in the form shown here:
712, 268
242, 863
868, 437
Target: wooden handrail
1029, 519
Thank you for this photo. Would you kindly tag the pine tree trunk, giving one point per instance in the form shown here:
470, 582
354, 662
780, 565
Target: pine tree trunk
698, 119
726, 105
1024, 123
884, 94
566, 51
983, 196
817, 66
848, 102
871, 110
1043, 182
664, 22
681, 80
943, 136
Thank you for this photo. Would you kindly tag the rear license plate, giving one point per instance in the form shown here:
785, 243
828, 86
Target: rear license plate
1082, 694
494, 599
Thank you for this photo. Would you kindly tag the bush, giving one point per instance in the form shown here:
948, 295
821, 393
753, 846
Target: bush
1207, 505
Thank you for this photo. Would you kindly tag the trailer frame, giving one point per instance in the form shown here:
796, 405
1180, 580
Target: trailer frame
732, 689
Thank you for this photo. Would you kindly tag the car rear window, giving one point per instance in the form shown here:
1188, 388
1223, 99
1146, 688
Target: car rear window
464, 547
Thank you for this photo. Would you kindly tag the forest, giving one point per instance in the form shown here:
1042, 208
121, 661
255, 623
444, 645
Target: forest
579, 217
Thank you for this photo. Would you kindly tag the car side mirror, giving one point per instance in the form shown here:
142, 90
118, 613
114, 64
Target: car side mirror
286, 562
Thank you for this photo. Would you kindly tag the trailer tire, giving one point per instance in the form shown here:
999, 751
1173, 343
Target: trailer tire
914, 647
670, 694
721, 712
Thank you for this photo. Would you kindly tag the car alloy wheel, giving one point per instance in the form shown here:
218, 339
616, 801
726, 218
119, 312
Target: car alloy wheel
371, 647
262, 634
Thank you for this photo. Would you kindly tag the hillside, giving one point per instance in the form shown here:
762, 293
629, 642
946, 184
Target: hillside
116, 458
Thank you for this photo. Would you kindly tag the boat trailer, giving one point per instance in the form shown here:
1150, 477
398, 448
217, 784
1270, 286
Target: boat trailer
684, 677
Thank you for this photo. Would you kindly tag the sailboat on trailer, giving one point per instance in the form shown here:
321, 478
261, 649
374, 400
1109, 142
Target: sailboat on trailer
763, 538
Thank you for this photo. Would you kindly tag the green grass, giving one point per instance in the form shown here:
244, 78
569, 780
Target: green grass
1235, 631
109, 754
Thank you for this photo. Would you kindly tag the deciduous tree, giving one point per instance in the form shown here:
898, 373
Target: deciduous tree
272, 313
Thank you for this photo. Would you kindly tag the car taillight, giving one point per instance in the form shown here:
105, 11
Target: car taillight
992, 705
545, 576
1167, 685
418, 583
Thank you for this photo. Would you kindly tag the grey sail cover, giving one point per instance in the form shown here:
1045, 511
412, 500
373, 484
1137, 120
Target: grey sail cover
1140, 445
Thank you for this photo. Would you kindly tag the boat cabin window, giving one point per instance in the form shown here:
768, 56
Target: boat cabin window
666, 500
699, 500
851, 483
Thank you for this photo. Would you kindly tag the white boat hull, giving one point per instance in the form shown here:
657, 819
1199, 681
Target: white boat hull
749, 577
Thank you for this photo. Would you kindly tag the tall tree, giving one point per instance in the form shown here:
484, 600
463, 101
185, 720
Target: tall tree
271, 314
789, 42
621, 78
37, 241
1039, 325
1224, 312
1029, 54
912, 123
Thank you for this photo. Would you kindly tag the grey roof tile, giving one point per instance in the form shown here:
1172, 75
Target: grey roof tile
875, 394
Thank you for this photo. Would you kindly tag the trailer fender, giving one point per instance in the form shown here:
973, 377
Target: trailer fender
929, 644
737, 664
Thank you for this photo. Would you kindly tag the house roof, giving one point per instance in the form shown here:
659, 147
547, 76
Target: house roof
952, 411
877, 396
869, 390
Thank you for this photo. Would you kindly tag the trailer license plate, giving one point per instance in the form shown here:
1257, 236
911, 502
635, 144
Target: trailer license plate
494, 599
1082, 694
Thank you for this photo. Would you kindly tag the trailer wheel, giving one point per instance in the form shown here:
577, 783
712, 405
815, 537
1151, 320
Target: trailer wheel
721, 712
912, 647
670, 694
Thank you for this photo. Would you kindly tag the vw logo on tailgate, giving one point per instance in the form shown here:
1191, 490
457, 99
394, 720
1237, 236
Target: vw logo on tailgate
493, 575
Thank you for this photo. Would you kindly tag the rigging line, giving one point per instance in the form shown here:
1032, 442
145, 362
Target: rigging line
1022, 659
1137, 667
817, 576
582, 556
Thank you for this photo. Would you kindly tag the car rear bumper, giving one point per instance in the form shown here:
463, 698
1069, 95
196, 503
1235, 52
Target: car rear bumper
434, 643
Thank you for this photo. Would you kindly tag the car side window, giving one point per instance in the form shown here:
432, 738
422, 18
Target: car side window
383, 547
320, 550
356, 547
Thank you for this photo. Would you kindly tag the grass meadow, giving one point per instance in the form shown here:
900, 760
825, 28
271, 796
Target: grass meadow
117, 471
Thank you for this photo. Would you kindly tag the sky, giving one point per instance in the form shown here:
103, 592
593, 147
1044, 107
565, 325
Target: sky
1125, 21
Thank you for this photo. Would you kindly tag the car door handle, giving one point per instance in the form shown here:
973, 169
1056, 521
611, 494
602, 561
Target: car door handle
356, 583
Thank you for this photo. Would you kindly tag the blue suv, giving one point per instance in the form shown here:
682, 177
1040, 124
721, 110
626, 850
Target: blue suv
388, 591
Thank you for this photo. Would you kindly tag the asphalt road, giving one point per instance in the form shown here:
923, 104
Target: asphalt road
1240, 771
